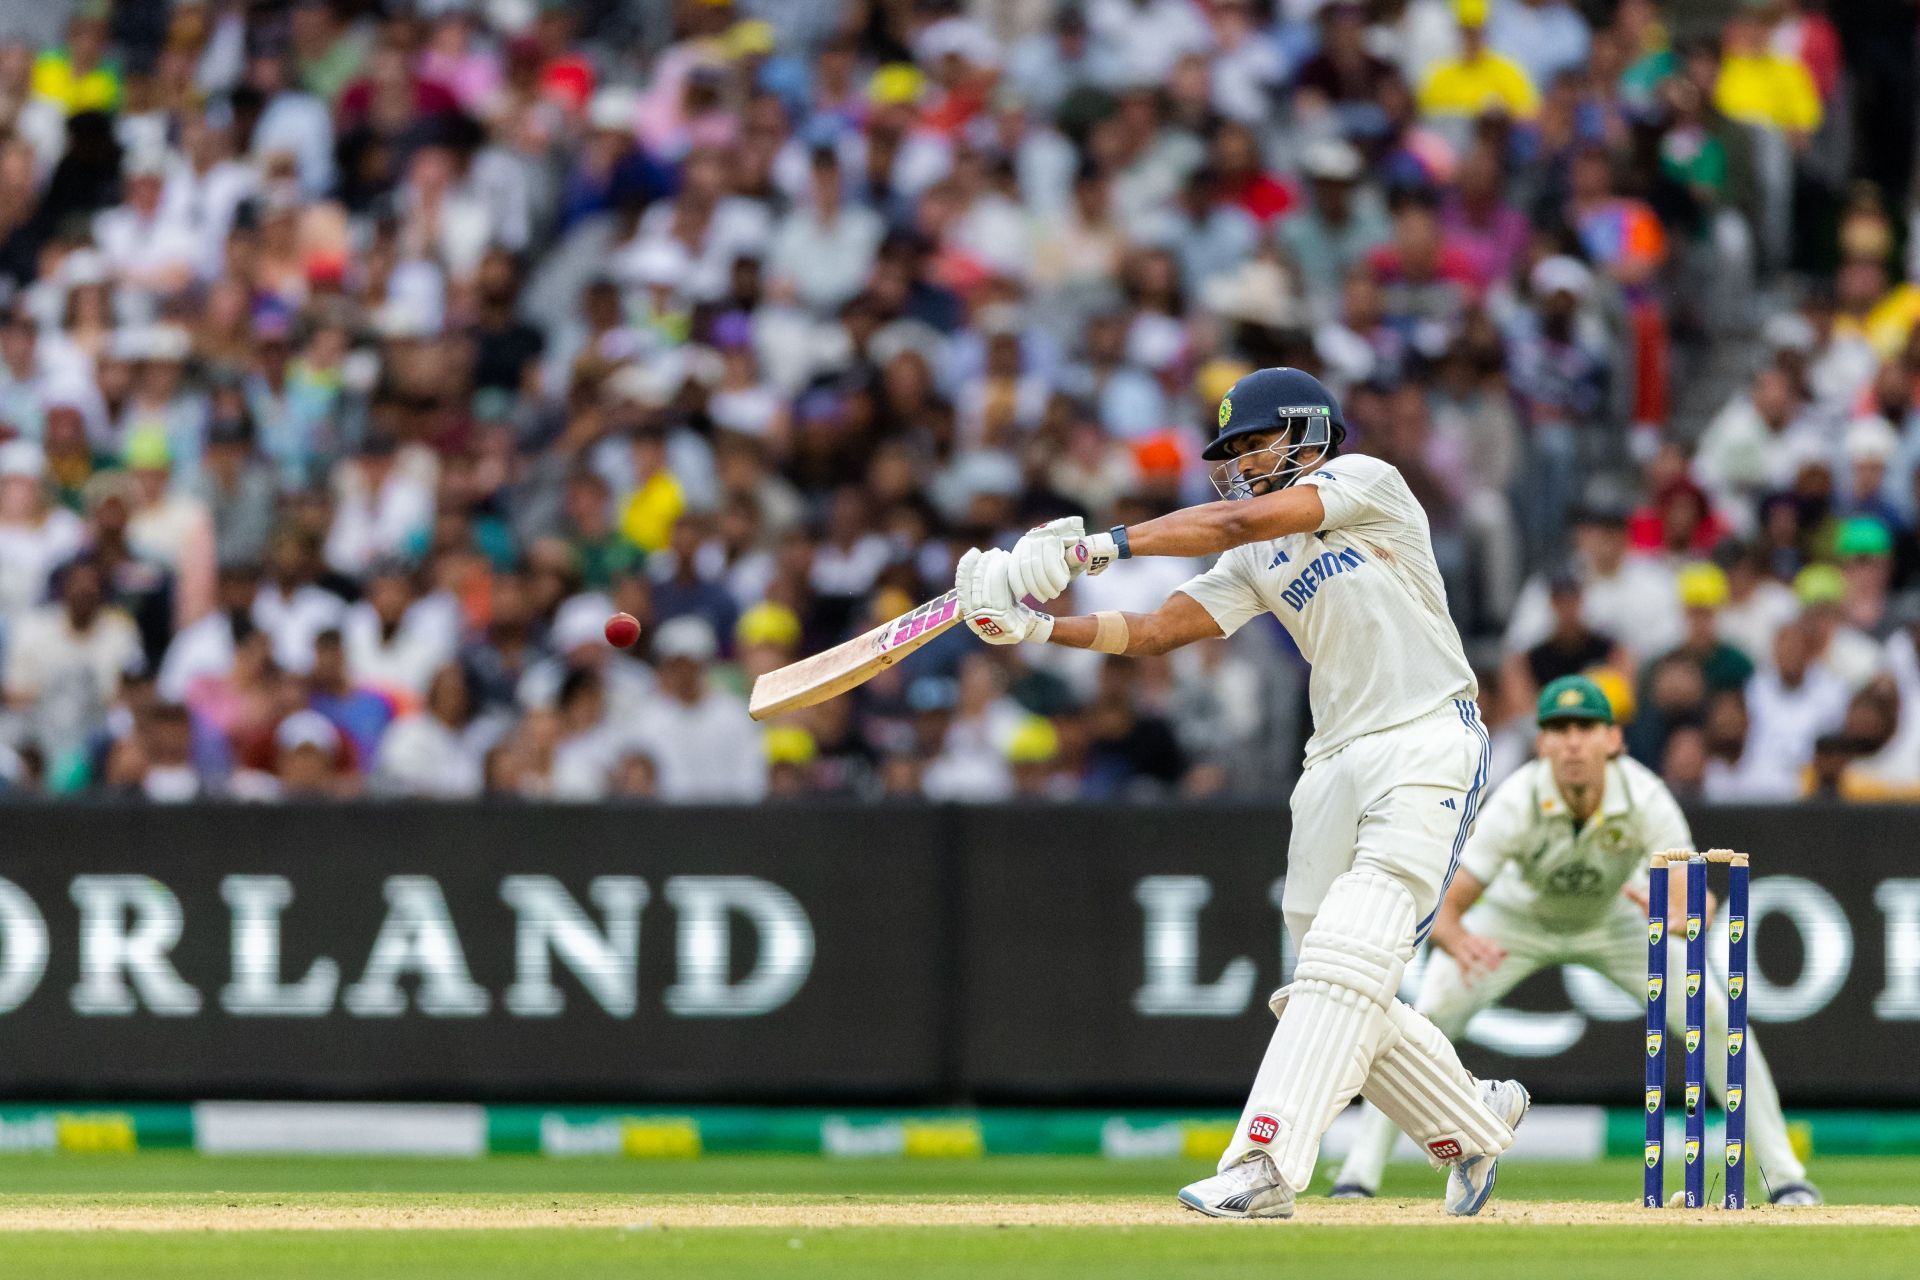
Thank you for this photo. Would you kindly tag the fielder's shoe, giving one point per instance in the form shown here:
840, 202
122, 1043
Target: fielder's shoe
1250, 1189
1470, 1181
1350, 1191
1796, 1194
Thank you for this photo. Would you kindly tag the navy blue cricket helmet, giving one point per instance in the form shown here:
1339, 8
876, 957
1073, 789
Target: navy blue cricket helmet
1285, 400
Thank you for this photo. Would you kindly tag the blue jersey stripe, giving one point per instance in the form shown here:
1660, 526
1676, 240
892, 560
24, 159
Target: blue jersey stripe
1470, 717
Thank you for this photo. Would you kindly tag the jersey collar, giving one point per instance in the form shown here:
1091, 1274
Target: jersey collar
1615, 799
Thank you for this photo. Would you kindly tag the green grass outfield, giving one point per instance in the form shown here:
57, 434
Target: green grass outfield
212, 1204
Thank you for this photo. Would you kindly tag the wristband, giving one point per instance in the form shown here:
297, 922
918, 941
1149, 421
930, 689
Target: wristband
1119, 535
1042, 629
1099, 550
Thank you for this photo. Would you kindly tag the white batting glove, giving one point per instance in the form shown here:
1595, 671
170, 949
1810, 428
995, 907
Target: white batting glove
1043, 562
988, 604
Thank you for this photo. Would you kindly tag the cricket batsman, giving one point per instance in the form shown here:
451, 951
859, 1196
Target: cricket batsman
1555, 873
1338, 549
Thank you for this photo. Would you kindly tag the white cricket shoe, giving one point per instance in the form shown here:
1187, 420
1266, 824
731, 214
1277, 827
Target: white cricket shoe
1251, 1189
1470, 1181
1797, 1194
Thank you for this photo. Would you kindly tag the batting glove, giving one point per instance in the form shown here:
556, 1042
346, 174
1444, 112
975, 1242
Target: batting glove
988, 604
1043, 561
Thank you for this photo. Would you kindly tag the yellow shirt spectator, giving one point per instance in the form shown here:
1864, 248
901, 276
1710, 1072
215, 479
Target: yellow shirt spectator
1767, 89
55, 79
652, 511
1473, 84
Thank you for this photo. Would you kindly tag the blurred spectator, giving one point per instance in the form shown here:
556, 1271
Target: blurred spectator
236, 486
65, 660
434, 751
1570, 647
1792, 702
35, 535
700, 737
360, 712
1614, 588
1852, 655
394, 638
1479, 79
309, 763
1341, 224
1548, 38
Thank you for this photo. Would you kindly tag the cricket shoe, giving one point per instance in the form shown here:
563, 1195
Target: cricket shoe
1470, 1181
1796, 1194
1250, 1189
1350, 1191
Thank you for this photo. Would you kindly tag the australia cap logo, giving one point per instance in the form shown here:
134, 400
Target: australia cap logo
1693, 927
1736, 983
1693, 982
1655, 985
1654, 1041
1735, 1041
1653, 1154
1736, 928
1733, 1153
1693, 1039
1654, 1098
1656, 930
1734, 1097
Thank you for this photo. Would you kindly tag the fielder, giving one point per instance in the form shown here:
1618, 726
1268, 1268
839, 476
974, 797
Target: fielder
1555, 873
1339, 550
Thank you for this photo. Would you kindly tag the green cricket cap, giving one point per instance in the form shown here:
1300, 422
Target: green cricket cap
1862, 536
1573, 698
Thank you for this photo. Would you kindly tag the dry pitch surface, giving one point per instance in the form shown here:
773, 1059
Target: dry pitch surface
274, 1213
181, 1217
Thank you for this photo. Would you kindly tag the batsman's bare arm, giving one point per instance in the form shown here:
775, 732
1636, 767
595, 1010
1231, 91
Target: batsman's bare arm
1197, 531
1221, 526
1180, 621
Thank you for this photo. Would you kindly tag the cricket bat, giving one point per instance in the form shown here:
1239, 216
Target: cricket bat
853, 663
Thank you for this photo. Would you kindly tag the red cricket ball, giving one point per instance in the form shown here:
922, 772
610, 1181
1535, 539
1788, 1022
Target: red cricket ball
622, 630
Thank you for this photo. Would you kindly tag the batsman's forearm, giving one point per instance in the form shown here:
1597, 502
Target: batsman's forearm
1221, 526
1194, 531
1144, 636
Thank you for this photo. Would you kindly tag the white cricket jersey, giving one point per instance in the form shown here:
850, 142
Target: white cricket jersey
1528, 851
1362, 598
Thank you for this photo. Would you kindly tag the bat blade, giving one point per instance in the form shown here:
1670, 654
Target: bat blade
852, 663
